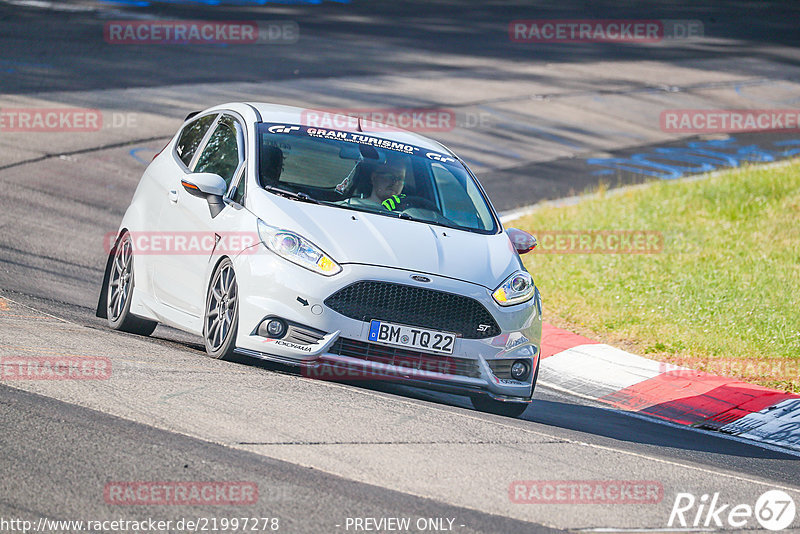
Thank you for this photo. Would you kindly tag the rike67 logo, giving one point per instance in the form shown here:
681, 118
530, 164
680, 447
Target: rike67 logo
774, 510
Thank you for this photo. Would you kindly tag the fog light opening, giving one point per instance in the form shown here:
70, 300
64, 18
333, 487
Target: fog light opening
520, 370
275, 328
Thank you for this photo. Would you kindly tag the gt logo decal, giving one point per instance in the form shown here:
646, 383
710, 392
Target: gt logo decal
438, 157
279, 128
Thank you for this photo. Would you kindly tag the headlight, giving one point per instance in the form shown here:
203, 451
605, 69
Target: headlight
297, 249
516, 289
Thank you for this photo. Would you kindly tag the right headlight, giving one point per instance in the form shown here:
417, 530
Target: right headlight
297, 249
516, 289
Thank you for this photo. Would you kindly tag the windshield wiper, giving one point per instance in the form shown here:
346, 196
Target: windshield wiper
448, 224
398, 214
295, 195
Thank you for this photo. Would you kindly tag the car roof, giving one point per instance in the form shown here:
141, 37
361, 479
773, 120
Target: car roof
296, 115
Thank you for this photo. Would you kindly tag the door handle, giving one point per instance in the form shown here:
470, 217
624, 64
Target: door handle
173, 196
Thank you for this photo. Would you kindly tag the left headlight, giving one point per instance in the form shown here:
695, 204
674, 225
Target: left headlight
297, 249
516, 289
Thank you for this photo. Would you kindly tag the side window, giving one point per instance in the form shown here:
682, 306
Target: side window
221, 154
190, 138
460, 198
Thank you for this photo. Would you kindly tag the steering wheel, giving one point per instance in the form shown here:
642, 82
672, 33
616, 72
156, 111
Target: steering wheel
427, 209
413, 201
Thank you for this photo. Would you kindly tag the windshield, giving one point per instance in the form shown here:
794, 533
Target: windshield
355, 170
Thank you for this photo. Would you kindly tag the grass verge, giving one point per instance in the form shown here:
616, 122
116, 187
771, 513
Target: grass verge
721, 296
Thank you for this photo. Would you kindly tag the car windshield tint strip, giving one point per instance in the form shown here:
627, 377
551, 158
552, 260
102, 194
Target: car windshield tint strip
358, 138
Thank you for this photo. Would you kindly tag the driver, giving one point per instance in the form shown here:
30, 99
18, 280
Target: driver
388, 181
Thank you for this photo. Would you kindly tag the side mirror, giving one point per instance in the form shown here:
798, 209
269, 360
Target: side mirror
202, 184
209, 186
523, 241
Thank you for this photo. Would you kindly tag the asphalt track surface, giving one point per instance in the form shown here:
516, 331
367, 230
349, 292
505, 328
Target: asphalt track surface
322, 452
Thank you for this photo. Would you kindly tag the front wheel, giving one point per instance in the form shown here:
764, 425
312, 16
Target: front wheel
120, 290
483, 403
221, 319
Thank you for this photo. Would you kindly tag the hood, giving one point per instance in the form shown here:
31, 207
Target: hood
350, 236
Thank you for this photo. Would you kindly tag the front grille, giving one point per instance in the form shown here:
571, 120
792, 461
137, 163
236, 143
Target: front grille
412, 359
414, 306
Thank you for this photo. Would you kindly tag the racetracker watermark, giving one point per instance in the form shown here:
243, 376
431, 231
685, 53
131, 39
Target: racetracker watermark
586, 492
381, 119
193, 32
181, 493
603, 31
599, 242
187, 243
730, 120
53, 120
55, 368
402, 367
692, 367
50, 120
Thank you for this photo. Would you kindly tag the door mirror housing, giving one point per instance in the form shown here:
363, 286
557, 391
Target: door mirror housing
201, 184
522, 241
207, 185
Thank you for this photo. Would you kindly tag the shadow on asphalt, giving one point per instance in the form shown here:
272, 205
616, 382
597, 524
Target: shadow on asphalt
595, 420
621, 426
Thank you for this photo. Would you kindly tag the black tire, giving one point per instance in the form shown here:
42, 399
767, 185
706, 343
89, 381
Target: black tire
221, 317
484, 403
120, 289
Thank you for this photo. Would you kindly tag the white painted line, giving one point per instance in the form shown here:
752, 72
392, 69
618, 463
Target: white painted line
38, 311
675, 529
497, 420
600, 368
54, 6
102, 12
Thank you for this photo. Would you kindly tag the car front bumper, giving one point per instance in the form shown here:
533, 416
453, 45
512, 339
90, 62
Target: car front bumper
270, 286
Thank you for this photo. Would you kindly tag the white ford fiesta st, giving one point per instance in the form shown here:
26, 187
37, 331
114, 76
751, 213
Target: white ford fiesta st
354, 248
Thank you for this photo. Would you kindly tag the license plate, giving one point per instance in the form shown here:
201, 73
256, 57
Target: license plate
411, 337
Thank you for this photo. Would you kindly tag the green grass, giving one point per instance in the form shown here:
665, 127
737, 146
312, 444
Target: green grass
724, 294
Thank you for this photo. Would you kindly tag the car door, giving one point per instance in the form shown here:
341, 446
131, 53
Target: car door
159, 262
188, 224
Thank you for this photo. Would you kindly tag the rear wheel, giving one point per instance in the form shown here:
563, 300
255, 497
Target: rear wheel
221, 319
120, 290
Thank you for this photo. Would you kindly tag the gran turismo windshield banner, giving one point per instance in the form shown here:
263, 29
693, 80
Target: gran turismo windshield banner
360, 138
